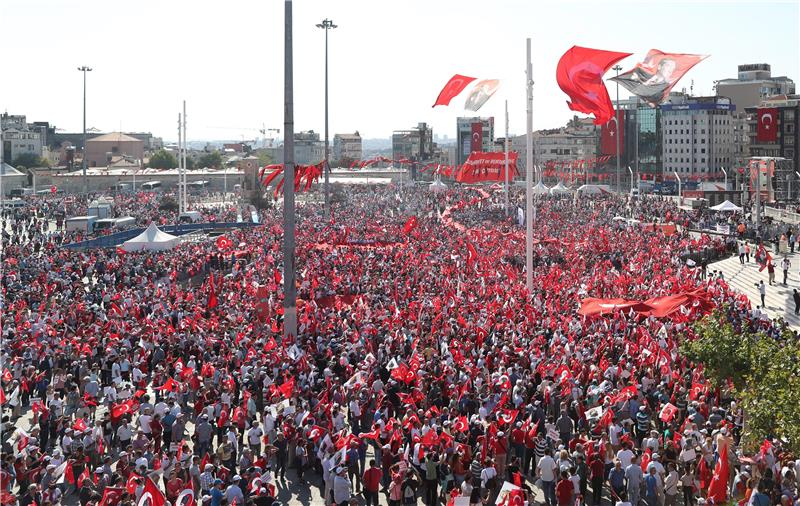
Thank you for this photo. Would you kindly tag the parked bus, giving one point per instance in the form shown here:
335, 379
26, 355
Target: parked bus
151, 186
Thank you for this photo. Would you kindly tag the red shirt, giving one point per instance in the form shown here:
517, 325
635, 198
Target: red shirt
564, 491
372, 479
598, 468
518, 436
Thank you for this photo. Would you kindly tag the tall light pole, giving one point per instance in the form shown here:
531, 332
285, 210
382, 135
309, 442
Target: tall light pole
616, 122
289, 289
505, 186
84, 69
529, 174
326, 25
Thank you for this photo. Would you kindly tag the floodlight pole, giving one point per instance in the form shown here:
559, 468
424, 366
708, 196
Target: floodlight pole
529, 175
289, 288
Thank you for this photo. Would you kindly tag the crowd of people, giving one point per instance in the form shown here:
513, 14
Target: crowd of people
422, 369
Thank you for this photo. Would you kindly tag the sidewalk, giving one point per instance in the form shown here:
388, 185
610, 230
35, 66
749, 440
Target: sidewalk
779, 297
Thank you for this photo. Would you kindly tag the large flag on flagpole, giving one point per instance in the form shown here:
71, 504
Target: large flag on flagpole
580, 75
454, 86
652, 79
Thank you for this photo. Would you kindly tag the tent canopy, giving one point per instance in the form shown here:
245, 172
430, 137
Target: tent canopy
151, 239
560, 188
726, 206
540, 188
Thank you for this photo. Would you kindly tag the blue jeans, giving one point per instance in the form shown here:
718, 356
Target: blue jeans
549, 489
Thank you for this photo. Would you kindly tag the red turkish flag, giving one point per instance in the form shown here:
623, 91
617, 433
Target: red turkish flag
609, 133
123, 408
718, 489
185, 498
316, 432
476, 142
151, 495
668, 412
461, 424
507, 416
472, 254
697, 390
111, 496
410, 225
454, 86
287, 388
767, 130
580, 75
223, 243
212, 293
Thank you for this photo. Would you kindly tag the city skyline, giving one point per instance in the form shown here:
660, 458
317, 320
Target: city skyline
381, 79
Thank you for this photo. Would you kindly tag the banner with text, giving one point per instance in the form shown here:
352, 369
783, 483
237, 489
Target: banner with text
482, 166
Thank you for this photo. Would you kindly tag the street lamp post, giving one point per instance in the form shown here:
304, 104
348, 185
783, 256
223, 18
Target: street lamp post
84, 69
326, 25
289, 288
616, 123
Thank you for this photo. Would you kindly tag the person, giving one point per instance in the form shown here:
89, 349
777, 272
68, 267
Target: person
786, 264
741, 253
546, 470
747, 252
771, 272
217, 493
234, 494
341, 487
759, 498
564, 490
652, 486
796, 297
372, 483
597, 469
671, 485
633, 480
762, 291
409, 487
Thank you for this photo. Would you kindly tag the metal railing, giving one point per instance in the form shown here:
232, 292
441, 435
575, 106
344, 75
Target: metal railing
117, 238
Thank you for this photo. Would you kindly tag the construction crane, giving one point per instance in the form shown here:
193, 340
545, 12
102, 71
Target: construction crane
264, 131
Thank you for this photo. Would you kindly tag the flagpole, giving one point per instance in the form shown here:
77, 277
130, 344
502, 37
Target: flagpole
289, 289
529, 175
505, 188
616, 124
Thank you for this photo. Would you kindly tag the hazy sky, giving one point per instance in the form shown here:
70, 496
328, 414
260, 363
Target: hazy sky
388, 60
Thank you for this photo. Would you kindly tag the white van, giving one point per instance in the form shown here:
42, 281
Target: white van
13, 204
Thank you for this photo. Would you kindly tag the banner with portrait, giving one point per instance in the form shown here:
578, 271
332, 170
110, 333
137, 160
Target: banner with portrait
652, 79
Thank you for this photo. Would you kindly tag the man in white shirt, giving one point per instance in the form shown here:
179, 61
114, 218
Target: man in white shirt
546, 470
254, 438
625, 455
671, 486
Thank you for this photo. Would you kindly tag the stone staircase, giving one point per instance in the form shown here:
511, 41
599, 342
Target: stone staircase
745, 278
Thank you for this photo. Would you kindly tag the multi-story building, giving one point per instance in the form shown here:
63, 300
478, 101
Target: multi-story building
415, 144
784, 140
642, 146
102, 149
753, 84
308, 149
347, 146
18, 137
572, 143
698, 134
473, 134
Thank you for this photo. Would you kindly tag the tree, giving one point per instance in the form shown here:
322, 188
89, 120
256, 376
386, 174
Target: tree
162, 159
28, 160
764, 371
264, 158
168, 204
211, 160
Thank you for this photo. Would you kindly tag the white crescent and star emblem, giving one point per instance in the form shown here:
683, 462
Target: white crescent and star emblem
183, 495
147, 498
764, 120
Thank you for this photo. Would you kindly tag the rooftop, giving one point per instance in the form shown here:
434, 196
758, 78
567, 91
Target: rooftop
114, 137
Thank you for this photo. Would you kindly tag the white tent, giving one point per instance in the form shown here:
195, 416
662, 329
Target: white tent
540, 188
151, 239
437, 186
726, 206
559, 188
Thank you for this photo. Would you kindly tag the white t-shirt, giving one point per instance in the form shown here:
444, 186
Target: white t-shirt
144, 423
547, 468
487, 474
625, 457
254, 435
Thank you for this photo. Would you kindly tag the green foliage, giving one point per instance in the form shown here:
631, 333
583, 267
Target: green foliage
28, 160
765, 373
211, 160
264, 158
162, 159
